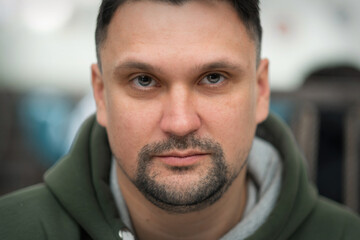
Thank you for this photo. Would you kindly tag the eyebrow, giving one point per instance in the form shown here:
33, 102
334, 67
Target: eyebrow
146, 67
128, 65
221, 64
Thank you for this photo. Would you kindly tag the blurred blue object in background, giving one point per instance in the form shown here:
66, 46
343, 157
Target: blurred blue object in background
43, 118
83, 109
284, 109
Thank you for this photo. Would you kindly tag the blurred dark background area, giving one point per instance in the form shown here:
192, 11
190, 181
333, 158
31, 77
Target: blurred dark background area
324, 115
33, 129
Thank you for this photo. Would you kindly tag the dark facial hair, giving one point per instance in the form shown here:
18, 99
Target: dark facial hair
205, 192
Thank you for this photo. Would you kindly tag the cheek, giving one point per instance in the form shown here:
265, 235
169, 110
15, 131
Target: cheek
231, 122
131, 126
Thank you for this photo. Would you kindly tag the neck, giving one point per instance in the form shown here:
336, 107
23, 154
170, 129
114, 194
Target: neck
151, 222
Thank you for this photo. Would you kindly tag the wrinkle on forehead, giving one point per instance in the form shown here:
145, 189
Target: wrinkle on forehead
142, 28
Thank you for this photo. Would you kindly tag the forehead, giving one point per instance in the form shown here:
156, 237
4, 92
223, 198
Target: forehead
151, 29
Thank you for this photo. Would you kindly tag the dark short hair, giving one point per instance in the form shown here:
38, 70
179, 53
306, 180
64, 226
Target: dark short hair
247, 10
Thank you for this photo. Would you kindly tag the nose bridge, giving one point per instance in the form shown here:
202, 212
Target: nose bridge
180, 115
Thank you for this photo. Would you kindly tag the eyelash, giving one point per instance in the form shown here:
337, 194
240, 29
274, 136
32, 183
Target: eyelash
147, 88
214, 84
143, 76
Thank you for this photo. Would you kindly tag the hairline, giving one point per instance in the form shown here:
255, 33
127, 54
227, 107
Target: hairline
250, 29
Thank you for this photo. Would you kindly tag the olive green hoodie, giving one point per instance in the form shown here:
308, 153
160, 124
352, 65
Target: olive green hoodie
75, 201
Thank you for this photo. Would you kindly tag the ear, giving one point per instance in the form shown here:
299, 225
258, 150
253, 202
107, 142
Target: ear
263, 91
99, 94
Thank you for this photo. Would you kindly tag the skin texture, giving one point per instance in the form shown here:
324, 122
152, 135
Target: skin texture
178, 47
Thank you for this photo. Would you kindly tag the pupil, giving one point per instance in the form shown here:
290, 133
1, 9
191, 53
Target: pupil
213, 78
144, 80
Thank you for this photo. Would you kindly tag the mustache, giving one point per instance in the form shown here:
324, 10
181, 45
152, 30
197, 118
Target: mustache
190, 141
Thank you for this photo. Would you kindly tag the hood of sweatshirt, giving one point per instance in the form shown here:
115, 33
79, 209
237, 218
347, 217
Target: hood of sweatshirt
80, 183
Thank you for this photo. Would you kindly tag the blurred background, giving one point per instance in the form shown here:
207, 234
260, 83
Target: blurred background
47, 46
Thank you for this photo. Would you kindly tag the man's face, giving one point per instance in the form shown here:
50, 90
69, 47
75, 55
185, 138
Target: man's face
180, 96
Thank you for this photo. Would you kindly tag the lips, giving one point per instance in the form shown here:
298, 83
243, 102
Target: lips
181, 159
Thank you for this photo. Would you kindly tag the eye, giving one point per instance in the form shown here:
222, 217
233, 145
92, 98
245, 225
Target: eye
144, 81
212, 79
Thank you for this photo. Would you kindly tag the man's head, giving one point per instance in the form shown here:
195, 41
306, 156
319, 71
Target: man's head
248, 12
180, 93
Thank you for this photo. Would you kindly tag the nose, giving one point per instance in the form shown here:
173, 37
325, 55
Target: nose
180, 116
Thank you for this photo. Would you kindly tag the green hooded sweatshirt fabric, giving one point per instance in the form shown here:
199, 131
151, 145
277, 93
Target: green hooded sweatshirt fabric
75, 200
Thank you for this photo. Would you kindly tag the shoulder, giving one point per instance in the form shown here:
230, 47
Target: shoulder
330, 220
33, 213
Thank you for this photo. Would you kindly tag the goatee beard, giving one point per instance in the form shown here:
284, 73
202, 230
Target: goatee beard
207, 190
